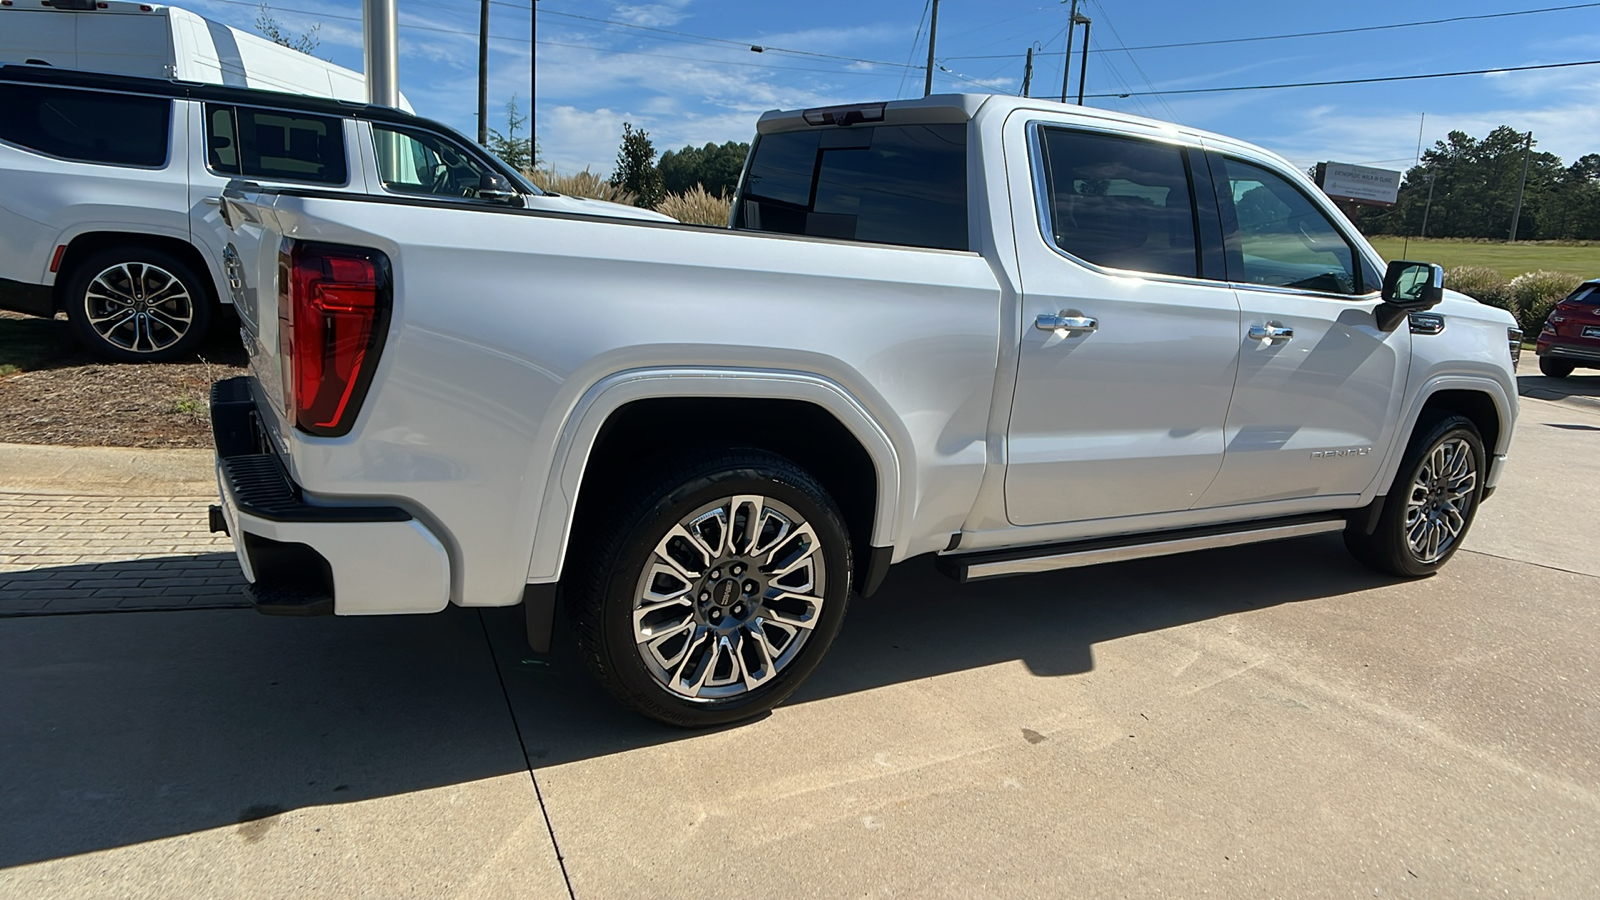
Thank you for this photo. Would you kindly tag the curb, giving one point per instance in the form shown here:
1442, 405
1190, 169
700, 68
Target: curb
106, 471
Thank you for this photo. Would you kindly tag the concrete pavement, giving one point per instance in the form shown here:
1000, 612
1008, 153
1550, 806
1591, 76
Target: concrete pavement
1270, 721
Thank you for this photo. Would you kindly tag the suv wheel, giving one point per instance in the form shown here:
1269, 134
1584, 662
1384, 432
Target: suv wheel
711, 597
1431, 504
1555, 368
136, 304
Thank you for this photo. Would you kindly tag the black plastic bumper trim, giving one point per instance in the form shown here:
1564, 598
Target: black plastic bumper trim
22, 297
255, 477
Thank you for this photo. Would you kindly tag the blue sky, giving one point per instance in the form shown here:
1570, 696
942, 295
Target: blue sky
593, 76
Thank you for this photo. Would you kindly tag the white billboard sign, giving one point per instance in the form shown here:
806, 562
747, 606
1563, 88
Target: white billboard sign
1343, 181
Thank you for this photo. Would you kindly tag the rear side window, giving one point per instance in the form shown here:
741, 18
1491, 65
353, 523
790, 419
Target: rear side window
1120, 202
88, 126
277, 145
884, 184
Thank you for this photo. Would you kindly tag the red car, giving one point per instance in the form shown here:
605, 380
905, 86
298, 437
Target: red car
1571, 336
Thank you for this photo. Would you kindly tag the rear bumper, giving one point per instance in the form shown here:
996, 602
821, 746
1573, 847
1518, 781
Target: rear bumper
303, 558
1578, 352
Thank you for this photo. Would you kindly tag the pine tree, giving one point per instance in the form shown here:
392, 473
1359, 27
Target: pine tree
636, 170
520, 153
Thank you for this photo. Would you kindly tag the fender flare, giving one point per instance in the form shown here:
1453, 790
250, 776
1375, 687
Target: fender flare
213, 266
1505, 407
582, 427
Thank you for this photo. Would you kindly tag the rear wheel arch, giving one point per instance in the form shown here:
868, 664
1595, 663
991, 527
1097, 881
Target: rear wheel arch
86, 245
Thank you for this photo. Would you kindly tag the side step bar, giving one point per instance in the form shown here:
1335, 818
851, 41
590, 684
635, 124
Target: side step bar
978, 566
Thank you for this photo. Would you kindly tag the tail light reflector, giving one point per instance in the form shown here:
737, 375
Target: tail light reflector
333, 311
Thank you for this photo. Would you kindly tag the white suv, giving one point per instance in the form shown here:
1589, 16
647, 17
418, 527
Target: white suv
110, 191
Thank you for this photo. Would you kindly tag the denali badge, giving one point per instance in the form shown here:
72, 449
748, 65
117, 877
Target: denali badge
1330, 454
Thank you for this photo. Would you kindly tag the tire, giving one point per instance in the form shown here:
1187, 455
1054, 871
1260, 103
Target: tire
715, 657
137, 304
1555, 368
1450, 445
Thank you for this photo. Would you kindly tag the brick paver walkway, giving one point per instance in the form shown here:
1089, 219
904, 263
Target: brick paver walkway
68, 553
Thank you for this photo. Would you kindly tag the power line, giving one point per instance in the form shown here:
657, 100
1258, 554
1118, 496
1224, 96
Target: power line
1302, 84
1303, 34
1172, 115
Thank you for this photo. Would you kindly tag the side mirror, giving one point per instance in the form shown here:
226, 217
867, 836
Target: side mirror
1413, 285
495, 188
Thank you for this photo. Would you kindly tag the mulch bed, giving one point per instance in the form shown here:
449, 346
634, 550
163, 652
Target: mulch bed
54, 392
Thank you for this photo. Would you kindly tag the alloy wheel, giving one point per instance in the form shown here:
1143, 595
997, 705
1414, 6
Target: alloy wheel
729, 597
139, 307
1440, 504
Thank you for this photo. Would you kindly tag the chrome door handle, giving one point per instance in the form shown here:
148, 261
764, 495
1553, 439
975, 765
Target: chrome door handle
1270, 332
211, 201
1066, 324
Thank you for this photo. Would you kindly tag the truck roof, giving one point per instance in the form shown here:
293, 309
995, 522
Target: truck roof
957, 108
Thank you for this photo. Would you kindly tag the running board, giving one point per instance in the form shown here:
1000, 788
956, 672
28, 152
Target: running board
966, 567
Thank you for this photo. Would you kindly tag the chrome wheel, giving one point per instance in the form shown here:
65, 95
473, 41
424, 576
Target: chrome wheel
728, 598
139, 307
1440, 504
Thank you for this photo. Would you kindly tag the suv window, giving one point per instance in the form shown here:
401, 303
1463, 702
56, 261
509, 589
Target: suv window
89, 126
1285, 240
1120, 202
885, 184
421, 162
278, 145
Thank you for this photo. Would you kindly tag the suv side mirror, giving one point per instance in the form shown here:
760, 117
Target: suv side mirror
493, 187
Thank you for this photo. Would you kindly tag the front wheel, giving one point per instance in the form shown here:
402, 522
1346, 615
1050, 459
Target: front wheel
1555, 368
135, 304
711, 597
1431, 504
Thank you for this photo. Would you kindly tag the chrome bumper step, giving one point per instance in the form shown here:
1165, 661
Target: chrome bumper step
982, 565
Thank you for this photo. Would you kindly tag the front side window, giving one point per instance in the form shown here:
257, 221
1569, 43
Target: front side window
1120, 202
884, 184
1284, 240
423, 163
89, 126
275, 145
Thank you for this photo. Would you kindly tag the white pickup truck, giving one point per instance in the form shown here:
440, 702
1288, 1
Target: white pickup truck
1019, 335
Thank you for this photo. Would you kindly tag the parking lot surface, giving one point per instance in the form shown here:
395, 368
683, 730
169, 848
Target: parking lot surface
1267, 721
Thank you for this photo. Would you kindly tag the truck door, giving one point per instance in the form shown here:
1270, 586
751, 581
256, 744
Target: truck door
1320, 384
1130, 334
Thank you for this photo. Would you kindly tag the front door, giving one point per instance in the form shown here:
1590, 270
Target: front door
1128, 351
1318, 394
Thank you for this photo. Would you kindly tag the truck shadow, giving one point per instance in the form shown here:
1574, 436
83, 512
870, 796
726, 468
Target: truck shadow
118, 729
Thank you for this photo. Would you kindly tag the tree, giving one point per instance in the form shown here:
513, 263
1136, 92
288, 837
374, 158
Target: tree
714, 168
520, 153
267, 24
636, 170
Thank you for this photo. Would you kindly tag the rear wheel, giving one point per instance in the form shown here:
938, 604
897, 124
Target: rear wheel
135, 304
711, 597
1555, 368
1431, 504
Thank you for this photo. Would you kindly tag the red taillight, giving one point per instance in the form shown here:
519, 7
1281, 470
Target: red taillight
333, 306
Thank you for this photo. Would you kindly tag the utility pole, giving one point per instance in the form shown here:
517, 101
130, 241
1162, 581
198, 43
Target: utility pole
1083, 64
1066, 63
483, 74
1428, 207
1027, 73
380, 50
933, 35
1527, 147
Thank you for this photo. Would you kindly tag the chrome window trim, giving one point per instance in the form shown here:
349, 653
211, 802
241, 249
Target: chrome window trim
1302, 292
1041, 200
205, 135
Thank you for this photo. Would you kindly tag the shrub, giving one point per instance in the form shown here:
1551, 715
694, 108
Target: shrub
1482, 284
697, 206
580, 184
1536, 293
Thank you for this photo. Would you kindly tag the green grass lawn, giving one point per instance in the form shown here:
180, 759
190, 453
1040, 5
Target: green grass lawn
1510, 259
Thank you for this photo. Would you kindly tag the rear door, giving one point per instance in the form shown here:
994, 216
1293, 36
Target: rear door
1130, 334
1320, 384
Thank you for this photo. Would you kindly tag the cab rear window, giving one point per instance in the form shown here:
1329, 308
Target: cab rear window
884, 184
